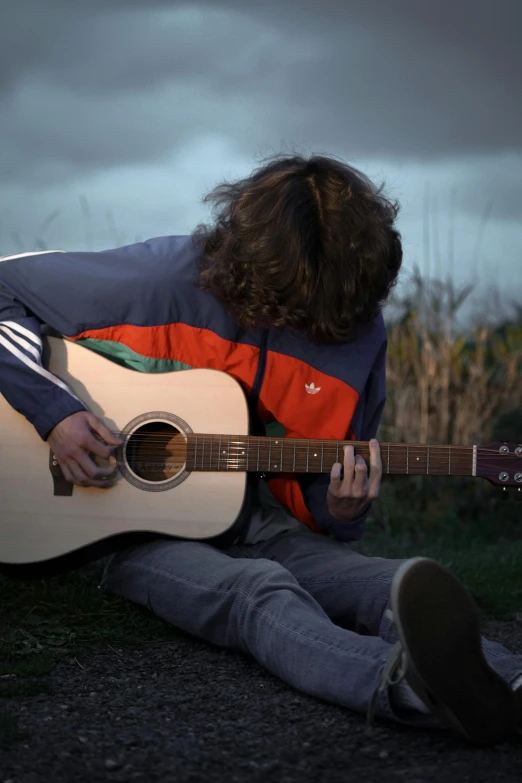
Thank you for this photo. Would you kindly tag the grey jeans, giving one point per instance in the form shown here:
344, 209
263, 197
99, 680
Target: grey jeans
308, 608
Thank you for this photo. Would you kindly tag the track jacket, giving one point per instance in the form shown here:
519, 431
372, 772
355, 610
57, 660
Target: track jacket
139, 305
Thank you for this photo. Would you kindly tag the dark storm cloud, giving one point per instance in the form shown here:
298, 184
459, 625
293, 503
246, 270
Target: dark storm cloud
412, 77
110, 48
90, 85
400, 77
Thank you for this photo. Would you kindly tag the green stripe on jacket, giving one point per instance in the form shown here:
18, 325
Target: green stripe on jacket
122, 354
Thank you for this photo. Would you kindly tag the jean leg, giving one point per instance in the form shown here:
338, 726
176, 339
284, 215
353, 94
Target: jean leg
353, 589
258, 607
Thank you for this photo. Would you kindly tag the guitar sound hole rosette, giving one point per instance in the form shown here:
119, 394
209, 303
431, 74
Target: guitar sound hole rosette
153, 455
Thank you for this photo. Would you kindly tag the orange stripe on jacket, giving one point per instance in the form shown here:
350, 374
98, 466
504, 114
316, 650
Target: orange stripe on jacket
200, 348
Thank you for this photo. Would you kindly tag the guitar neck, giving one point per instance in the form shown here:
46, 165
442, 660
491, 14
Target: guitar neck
300, 455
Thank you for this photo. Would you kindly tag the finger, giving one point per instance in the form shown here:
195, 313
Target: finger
335, 479
78, 474
349, 469
375, 478
360, 482
96, 475
90, 443
103, 431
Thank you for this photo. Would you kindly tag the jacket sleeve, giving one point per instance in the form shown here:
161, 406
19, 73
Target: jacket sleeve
28, 387
71, 293
365, 423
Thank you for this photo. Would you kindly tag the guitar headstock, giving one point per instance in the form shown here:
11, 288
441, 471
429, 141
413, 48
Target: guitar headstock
501, 464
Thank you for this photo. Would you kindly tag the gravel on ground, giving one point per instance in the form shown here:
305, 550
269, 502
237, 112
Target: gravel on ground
187, 711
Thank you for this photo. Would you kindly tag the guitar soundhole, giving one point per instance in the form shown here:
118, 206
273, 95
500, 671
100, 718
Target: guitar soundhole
156, 451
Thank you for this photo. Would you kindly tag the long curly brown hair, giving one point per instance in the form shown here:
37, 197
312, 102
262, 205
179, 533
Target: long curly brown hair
307, 245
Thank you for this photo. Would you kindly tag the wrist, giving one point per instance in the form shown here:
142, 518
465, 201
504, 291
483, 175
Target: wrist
353, 518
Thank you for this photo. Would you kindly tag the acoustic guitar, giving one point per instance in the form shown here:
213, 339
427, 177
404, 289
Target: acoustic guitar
183, 465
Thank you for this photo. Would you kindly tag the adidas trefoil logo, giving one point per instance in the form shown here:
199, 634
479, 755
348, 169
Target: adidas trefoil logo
312, 388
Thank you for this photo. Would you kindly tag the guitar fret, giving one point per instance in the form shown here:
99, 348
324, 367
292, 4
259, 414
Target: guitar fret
207, 452
274, 466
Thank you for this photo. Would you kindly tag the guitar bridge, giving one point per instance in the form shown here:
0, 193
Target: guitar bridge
60, 483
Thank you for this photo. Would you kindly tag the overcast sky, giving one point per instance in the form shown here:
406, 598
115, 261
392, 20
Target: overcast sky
122, 114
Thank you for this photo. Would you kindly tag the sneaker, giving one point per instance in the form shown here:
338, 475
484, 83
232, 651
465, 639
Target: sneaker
518, 701
439, 654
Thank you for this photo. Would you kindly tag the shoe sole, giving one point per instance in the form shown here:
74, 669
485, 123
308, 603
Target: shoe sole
438, 625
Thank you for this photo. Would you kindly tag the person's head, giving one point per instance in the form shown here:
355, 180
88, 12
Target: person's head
303, 244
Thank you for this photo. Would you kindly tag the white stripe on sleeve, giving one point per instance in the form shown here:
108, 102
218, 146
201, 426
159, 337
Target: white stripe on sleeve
23, 330
23, 343
24, 255
36, 367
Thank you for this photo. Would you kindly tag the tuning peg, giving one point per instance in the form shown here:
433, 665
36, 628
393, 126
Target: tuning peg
504, 494
518, 494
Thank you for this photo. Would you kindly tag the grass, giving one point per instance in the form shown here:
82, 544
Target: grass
45, 620
66, 615
447, 384
490, 571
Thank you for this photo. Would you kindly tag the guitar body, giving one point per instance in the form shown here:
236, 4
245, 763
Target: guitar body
182, 468
36, 525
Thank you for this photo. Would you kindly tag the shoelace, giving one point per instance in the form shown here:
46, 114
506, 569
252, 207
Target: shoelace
392, 674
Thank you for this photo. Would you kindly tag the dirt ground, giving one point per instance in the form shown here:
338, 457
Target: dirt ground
187, 711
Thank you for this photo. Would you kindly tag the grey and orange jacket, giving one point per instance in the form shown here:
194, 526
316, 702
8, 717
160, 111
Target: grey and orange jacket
139, 305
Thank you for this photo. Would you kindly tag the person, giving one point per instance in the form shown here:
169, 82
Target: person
284, 290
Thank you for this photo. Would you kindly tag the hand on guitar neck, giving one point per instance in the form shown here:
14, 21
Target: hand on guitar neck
74, 439
350, 494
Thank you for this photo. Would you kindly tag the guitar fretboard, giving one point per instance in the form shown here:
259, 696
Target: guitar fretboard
298, 455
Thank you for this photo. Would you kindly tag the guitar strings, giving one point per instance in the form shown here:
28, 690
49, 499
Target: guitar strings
212, 458
240, 440
303, 444
231, 464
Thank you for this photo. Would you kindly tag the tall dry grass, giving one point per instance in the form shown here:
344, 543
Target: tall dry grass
447, 384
